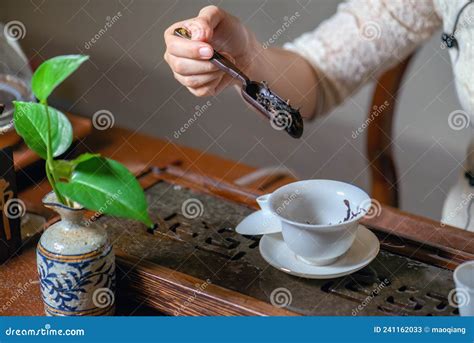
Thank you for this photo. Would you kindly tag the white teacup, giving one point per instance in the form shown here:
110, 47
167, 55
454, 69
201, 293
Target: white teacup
319, 217
464, 280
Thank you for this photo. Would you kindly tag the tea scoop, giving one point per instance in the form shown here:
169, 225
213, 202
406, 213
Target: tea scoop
282, 116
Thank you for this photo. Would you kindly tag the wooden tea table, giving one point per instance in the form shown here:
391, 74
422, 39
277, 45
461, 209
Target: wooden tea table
200, 266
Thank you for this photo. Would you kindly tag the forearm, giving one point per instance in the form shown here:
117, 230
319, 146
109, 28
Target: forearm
288, 74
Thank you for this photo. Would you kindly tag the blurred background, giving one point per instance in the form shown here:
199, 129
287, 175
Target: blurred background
127, 76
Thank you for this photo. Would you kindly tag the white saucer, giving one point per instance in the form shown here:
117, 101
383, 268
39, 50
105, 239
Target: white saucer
259, 223
364, 249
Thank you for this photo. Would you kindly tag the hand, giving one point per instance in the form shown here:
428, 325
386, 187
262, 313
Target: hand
189, 59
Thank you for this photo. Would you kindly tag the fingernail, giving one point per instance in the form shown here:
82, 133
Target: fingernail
205, 52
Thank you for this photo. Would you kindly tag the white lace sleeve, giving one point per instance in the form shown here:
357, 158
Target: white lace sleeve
364, 38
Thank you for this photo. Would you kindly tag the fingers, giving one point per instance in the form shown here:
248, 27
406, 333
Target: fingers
202, 78
202, 27
198, 81
189, 59
212, 15
208, 89
181, 47
214, 87
186, 66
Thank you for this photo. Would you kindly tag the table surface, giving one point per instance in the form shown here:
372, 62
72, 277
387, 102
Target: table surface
19, 288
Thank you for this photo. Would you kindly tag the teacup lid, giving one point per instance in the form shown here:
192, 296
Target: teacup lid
259, 223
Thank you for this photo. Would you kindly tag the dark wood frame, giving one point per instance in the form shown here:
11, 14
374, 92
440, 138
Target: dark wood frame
398, 232
380, 135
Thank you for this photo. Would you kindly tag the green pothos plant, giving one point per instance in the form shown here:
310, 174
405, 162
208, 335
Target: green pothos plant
90, 180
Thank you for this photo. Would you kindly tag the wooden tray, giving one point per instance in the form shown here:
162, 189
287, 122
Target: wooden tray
200, 266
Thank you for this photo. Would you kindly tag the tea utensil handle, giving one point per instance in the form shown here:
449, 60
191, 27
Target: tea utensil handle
263, 202
217, 59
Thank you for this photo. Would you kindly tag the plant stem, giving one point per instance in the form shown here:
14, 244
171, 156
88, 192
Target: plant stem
49, 159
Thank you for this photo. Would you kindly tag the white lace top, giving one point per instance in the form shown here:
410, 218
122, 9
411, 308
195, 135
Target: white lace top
366, 37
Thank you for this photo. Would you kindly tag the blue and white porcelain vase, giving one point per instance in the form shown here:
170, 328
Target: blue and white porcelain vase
76, 265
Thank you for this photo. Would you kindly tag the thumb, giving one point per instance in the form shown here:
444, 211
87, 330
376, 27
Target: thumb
202, 27
213, 15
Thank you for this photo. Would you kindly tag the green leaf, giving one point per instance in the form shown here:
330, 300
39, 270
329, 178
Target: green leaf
31, 124
83, 158
63, 169
106, 186
52, 72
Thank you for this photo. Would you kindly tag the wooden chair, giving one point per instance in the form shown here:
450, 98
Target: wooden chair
384, 182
